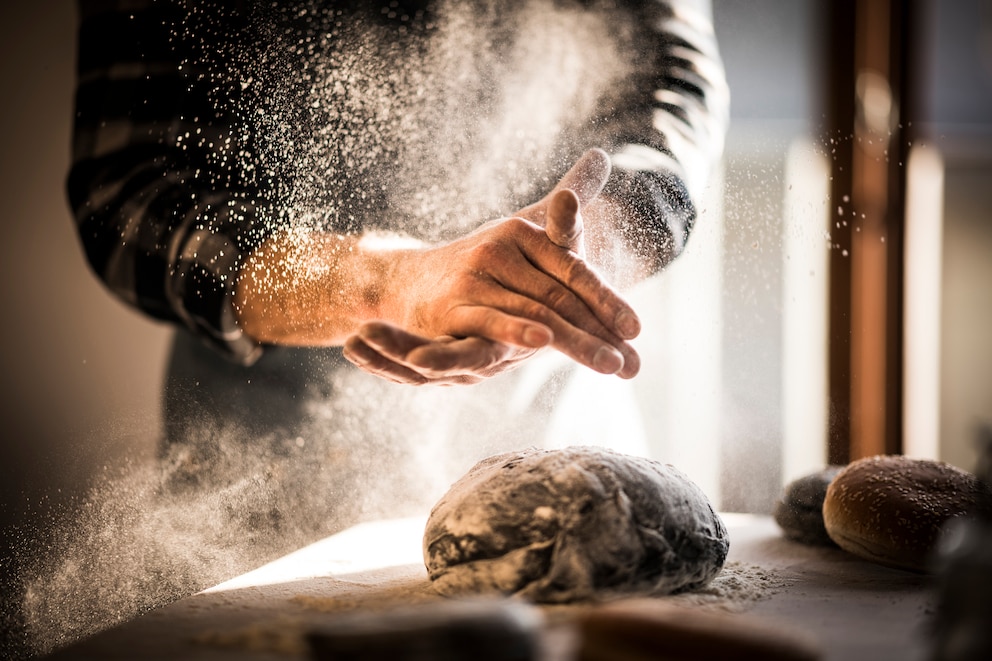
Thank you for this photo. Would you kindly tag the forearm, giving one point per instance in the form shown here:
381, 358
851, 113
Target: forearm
316, 289
624, 243
643, 222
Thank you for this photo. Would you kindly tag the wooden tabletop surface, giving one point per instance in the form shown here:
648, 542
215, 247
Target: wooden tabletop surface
853, 609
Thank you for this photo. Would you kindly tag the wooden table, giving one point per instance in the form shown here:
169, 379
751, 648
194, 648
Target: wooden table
855, 609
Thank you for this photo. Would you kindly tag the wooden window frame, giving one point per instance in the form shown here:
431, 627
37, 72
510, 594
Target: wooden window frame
870, 111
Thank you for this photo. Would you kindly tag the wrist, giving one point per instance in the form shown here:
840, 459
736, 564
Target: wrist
312, 289
387, 276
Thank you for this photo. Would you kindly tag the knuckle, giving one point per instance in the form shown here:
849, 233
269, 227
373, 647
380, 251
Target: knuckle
536, 311
516, 224
487, 252
575, 270
559, 298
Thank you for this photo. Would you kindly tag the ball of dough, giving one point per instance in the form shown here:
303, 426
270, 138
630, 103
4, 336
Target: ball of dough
556, 526
799, 509
890, 509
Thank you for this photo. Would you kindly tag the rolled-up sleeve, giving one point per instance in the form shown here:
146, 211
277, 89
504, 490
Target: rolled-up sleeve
665, 126
161, 211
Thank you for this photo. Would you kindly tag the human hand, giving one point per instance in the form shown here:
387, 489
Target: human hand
488, 301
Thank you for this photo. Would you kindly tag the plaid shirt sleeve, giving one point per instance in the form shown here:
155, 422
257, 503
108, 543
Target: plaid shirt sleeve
665, 126
166, 218
160, 211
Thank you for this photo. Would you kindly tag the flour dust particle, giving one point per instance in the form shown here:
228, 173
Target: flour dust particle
427, 121
430, 121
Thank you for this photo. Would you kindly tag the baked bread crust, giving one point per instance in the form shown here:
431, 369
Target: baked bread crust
891, 509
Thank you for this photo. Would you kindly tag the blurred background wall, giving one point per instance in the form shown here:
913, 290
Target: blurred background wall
80, 372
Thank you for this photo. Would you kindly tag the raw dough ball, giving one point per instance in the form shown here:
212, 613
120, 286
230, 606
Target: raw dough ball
563, 525
890, 509
799, 510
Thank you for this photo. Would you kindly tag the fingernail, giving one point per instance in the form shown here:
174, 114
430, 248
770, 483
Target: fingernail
631, 366
607, 360
628, 325
535, 336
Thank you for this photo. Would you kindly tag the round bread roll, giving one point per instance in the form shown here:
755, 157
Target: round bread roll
799, 509
890, 509
556, 526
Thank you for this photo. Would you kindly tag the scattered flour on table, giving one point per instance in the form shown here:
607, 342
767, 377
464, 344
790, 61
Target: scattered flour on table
738, 587
735, 589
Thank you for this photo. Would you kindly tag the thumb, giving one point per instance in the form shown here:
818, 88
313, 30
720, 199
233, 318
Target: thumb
585, 179
563, 222
579, 187
588, 176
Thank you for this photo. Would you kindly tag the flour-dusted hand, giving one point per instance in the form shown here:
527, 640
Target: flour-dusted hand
452, 313
509, 283
482, 304
512, 291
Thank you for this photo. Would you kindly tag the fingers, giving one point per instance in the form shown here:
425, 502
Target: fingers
527, 279
587, 341
499, 311
396, 355
365, 353
587, 317
461, 357
565, 281
588, 176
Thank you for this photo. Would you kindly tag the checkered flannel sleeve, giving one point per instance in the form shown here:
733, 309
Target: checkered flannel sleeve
160, 211
666, 123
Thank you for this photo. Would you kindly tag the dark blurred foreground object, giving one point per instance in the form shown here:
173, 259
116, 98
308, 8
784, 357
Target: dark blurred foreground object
891, 509
963, 623
508, 630
651, 630
799, 509
480, 630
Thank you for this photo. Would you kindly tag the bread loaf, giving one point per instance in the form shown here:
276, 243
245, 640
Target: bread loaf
890, 509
